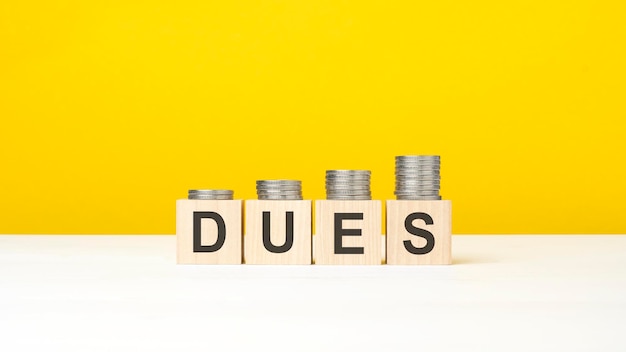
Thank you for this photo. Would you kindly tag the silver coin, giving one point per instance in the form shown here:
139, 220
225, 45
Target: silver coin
280, 188
211, 191
421, 194
417, 193
417, 186
416, 170
348, 172
418, 181
339, 189
349, 193
409, 172
280, 197
413, 171
417, 161
408, 181
279, 185
418, 197
416, 189
418, 166
418, 177
278, 182
278, 192
348, 177
203, 197
415, 158
210, 194
348, 182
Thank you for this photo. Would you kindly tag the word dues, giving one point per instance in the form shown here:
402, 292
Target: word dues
347, 232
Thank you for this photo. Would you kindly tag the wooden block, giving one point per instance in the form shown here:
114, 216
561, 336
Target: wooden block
419, 232
348, 232
208, 231
277, 232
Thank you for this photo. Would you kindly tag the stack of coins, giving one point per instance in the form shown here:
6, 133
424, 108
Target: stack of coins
279, 190
348, 185
206, 194
417, 177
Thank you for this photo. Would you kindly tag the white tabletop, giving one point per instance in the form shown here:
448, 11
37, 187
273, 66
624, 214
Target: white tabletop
125, 293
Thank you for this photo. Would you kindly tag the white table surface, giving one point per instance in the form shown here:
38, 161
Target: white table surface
125, 293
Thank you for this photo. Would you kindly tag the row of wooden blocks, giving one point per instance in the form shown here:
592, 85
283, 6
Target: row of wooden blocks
280, 232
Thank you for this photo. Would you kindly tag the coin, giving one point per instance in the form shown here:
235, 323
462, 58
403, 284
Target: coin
418, 177
279, 189
210, 194
418, 197
348, 185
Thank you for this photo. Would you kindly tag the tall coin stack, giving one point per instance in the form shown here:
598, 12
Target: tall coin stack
210, 194
348, 185
417, 177
279, 190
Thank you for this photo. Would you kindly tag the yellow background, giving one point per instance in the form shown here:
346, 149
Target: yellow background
111, 110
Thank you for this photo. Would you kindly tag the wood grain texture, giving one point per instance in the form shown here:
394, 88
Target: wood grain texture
370, 238
255, 251
230, 211
441, 213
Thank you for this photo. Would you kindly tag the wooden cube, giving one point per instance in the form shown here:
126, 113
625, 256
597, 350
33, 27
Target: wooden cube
277, 232
419, 232
208, 231
348, 232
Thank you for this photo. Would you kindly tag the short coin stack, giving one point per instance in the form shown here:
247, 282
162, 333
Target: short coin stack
348, 185
417, 177
210, 194
279, 190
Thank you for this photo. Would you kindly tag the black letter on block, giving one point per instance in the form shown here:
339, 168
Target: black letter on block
340, 232
267, 242
430, 239
197, 231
